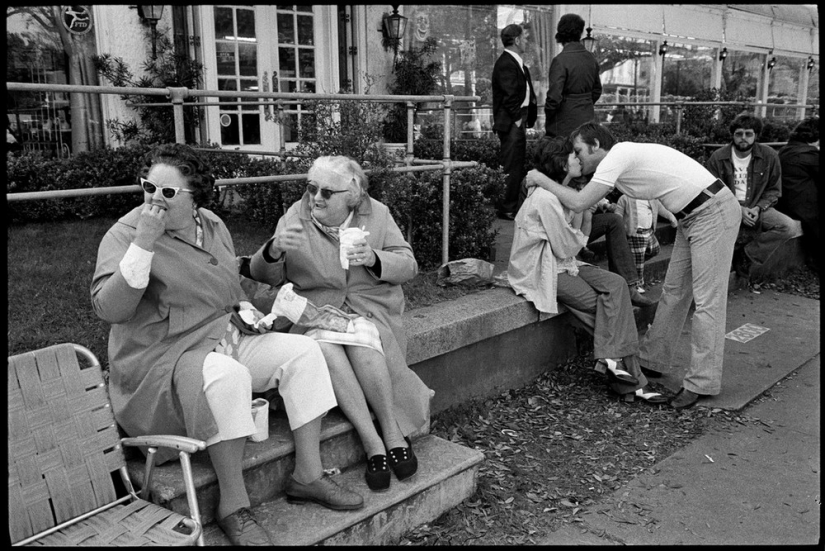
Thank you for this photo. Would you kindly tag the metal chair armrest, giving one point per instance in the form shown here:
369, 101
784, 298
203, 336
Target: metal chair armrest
180, 443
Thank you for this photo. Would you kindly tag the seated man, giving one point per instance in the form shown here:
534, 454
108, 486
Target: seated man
753, 173
800, 180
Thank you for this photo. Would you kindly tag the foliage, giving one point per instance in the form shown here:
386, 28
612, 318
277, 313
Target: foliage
91, 169
413, 75
416, 204
484, 151
168, 69
706, 120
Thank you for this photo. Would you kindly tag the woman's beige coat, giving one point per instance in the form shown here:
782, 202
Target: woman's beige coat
316, 274
160, 335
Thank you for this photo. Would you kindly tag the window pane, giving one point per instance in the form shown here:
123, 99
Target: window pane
223, 23
290, 127
251, 129
305, 30
741, 73
248, 85
246, 24
307, 63
304, 8
308, 87
286, 62
227, 84
686, 71
783, 86
627, 75
225, 52
248, 54
286, 29
230, 132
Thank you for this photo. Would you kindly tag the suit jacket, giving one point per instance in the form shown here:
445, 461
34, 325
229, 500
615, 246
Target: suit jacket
574, 87
764, 174
510, 84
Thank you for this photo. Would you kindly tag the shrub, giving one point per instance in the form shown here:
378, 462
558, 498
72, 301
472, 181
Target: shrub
416, 204
91, 169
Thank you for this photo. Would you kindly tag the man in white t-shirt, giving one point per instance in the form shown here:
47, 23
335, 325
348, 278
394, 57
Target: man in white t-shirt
708, 221
752, 171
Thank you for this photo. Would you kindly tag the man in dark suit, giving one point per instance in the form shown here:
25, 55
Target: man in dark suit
514, 110
574, 84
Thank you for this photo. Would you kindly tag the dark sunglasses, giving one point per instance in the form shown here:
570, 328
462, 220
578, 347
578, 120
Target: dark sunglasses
325, 193
168, 192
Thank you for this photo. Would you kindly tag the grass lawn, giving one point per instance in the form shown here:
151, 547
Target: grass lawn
50, 269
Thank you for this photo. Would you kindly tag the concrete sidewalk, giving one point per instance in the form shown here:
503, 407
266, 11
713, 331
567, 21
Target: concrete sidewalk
762, 486
758, 483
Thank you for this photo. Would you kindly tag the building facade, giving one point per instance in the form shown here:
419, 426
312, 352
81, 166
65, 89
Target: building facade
766, 53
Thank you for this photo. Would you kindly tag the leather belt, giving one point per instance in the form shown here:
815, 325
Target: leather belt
706, 194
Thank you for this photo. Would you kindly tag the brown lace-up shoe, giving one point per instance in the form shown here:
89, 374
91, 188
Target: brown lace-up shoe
323, 491
242, 529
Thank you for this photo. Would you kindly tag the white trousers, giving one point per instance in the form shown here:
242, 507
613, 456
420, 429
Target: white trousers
294, 364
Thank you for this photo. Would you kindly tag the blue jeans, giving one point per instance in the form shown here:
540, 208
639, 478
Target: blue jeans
699, 270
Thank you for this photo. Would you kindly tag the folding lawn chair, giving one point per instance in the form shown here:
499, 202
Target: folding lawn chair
64, 449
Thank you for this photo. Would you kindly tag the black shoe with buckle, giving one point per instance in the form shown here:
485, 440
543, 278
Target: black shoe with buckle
242, 529
403, 461
378, 473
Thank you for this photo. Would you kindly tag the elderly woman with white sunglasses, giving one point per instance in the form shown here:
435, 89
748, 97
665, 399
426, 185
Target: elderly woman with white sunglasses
181, 359
368, 369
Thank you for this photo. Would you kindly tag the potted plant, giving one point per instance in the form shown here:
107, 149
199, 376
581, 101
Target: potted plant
414, 74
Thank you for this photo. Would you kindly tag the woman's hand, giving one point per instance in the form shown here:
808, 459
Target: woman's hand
151, 225
361, 254
291, 239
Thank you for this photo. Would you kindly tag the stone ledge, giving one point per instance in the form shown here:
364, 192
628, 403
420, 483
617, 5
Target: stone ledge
441, 328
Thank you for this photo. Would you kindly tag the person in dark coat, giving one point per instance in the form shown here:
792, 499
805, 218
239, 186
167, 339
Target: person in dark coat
800, 177
574, 84
514, 110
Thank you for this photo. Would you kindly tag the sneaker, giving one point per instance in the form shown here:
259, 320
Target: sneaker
323, 491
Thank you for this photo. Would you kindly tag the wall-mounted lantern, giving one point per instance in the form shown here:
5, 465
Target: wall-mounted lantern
772, 63
663, 48
151, 15
811, 64
588, 41
723, 54
392, 29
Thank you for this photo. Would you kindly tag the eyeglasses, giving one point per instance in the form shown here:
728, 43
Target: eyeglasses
168, 192
744, 133
325, 193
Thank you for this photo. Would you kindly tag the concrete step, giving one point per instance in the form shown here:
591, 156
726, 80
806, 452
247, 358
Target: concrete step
446, 476
266, 465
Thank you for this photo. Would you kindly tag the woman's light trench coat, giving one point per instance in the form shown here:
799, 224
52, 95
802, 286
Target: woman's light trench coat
316, 273
161, 335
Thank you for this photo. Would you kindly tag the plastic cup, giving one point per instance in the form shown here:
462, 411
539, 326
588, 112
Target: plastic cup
260, 415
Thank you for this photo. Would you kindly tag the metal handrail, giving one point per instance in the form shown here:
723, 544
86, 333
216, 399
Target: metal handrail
178, 95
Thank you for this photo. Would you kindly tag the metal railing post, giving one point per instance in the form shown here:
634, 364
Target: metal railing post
445, 216
410, 133
177, 96
679, 107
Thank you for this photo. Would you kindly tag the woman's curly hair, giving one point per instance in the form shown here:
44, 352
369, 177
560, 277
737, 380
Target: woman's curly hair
191, 166
550, 156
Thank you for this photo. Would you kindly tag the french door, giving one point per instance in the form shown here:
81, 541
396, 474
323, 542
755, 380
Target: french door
267, 49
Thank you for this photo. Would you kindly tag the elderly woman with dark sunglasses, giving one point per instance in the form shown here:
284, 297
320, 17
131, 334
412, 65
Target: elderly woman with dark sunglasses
181, 359
365, 372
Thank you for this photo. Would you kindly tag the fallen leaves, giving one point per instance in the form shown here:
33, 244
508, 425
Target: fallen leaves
553, 450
